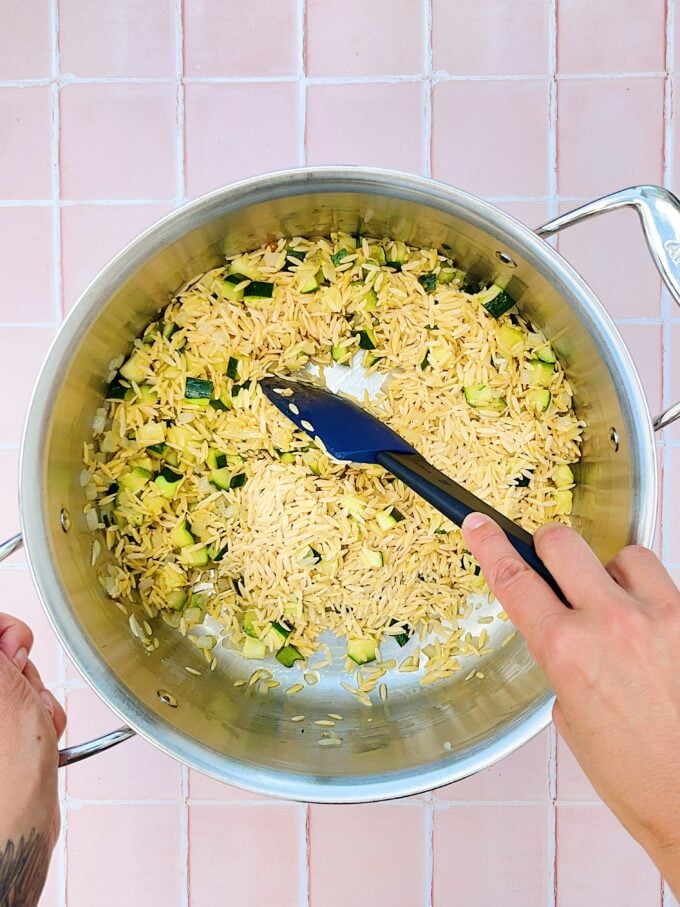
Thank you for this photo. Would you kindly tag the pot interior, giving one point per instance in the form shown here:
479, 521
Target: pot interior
423, 735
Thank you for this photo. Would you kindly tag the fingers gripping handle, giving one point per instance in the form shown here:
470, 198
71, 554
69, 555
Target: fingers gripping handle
72, 754
659, 213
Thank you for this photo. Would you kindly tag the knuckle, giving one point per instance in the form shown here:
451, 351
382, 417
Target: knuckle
552, 535
509, 571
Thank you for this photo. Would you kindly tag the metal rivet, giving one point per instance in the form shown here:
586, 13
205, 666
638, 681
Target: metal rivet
167, 698
505, 258
65, 519
614, 439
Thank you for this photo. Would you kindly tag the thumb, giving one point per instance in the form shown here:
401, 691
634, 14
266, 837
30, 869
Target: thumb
528, 601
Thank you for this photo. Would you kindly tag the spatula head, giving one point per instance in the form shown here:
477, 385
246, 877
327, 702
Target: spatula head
346, 430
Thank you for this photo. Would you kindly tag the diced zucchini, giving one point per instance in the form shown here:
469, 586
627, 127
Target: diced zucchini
355, 506
329, 566
510, 339
181, 536
563, 476
370, 359
428, 282
341, 353
147, 395
215, 459
277, 635
238, 481
288, 655
254, 648
522, 481
377, 253
545, 354
195, 557
223, 403
158, 449
234, 459
134, 369
338, 256
118, 391
176, 599
495, 300
150, 434
135, 480
216, 553
169, 329
243, 265
371, 558
286, 456
361, 651
221, 478
232, 287
367, 339
258, 291
180, 436
294, 257
370, 300
250, 621
234, 368
310, 557
386, 519
167, 482
481, 396
151, 332
447, 274
563, 501
198, 389
538, 399
310, 282
540, 373
403, 637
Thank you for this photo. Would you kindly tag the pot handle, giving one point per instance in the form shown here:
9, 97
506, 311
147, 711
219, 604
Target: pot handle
71, 754
659, 212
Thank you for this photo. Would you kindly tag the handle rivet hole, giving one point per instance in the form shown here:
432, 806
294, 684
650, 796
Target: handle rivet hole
506, 259
614, 441
65, 520
167, 698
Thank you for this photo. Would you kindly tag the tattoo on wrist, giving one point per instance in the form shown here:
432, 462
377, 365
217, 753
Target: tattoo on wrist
23, 870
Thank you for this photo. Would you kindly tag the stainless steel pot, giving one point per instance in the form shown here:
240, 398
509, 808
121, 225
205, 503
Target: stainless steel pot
423, 736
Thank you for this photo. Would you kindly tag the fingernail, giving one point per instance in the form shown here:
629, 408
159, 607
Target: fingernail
47, 702
20, 658
475, 521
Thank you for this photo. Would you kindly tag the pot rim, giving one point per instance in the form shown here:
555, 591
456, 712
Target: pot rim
82, 651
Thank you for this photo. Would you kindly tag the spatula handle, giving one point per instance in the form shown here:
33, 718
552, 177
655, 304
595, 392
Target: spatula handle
456, 502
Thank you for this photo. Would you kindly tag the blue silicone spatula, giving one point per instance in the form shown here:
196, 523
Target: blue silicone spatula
349, 432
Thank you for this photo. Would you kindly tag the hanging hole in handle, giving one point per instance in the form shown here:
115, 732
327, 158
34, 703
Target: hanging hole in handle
614, 441
167, 698
65, 519
505, 258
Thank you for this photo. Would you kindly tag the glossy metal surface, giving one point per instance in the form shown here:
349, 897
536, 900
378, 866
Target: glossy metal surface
423, 736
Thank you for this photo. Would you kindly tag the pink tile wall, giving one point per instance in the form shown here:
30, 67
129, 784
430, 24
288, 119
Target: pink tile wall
111, 114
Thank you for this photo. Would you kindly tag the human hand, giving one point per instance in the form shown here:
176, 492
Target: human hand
613, 662
31, 722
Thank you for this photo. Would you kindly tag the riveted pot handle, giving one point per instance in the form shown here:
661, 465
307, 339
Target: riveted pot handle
71, 754
659, 212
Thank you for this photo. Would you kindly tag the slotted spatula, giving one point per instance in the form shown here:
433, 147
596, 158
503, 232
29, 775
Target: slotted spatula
349, 432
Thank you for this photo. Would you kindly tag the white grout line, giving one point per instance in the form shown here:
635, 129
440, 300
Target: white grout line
184, 842
181, 121
428, 87
428, 874
302, 82
438, 76
304, 855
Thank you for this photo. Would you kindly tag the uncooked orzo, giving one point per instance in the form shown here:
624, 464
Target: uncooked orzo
213, 509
